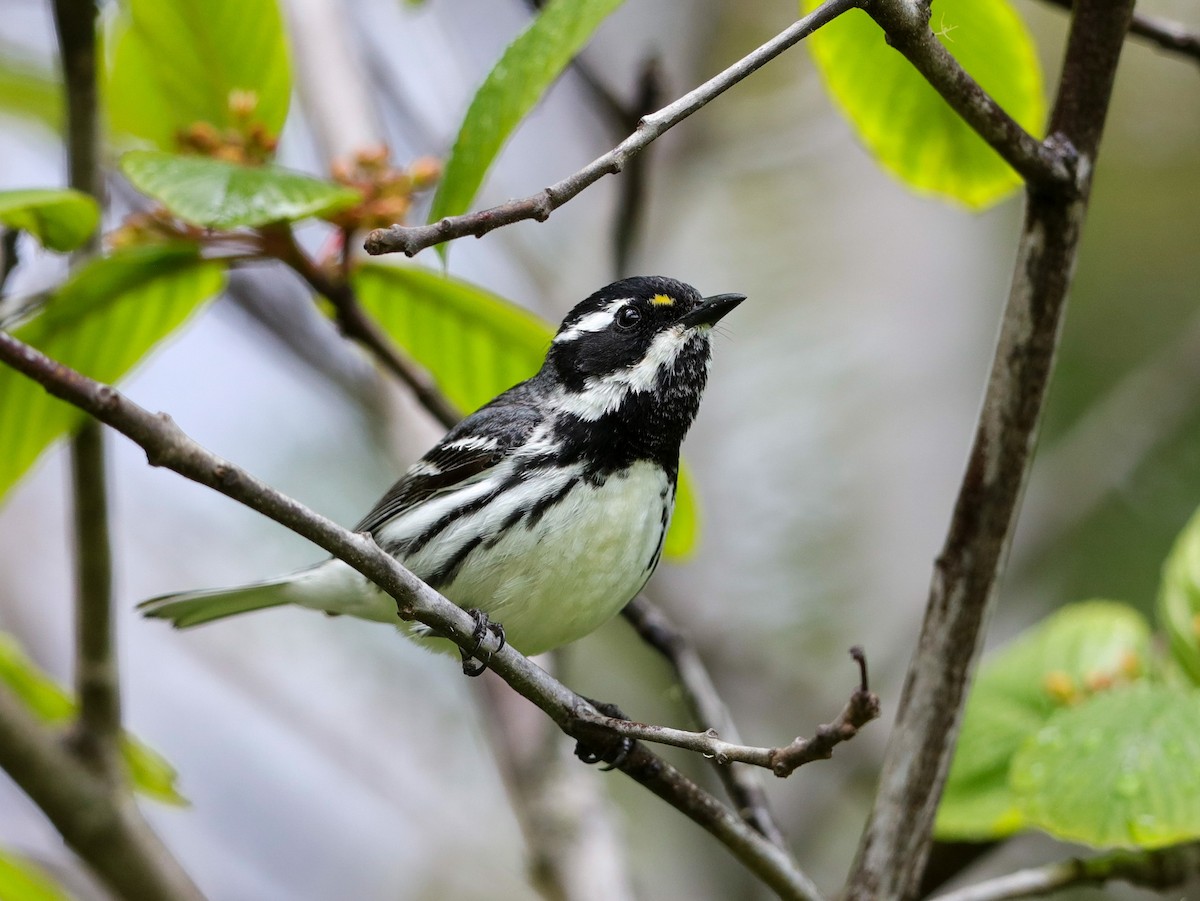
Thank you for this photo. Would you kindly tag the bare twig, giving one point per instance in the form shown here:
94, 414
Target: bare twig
98, 727
783, 761
1160, 870
103, 827
708, 710
896, 842
1168, 35
358, 326
413, 239
166, 445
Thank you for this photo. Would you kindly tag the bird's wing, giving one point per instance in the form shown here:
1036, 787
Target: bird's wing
469, 450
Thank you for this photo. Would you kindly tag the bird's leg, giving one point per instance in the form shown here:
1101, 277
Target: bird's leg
471, 664
611, 750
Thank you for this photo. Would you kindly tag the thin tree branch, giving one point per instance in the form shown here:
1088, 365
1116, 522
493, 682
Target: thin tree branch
358, 326
906, 24
412, 239
98, 726
862, 707
1160, 870
1168, 35
166, 445
895, 844
103, 827
708, 710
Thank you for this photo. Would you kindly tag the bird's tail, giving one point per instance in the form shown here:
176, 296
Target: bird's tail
193, 608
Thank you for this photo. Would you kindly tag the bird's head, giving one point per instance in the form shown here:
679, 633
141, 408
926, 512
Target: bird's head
641, 340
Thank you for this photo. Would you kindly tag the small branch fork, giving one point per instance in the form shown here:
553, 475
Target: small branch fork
862, 707
167, 445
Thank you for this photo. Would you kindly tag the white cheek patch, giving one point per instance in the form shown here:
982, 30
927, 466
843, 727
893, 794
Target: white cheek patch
592, 322
604, 394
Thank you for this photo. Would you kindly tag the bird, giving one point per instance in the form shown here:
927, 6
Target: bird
544, 512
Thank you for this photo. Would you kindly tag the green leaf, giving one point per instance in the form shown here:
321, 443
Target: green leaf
30, 92
1081, 649
218, 194
102, 322
528, 67
472, 342
176, 62
476, 345
148, 770
61, 219
23, 880
1179, 599
1117, 771
905, 124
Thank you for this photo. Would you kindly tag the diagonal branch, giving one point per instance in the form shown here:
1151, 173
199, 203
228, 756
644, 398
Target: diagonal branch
357, 325
708, 710
1161, 870
103, 827
167, 445
410, 240
895, 844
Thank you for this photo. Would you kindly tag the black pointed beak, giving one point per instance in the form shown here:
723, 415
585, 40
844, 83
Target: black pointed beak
711, 310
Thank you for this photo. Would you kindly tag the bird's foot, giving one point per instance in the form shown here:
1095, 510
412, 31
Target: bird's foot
472, 663
609, 749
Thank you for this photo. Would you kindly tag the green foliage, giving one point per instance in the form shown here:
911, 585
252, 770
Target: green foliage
148, 771
218, 194
1119, 771
61, 219
528, 67
1179, 599
23, 880
472, 342
102, 322
1082, 648
903, 121
29, 92
177, 62
476, 345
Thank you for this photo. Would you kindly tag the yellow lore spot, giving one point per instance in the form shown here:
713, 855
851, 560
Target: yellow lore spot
662, 300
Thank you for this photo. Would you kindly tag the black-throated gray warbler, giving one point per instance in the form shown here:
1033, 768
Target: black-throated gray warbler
546, 509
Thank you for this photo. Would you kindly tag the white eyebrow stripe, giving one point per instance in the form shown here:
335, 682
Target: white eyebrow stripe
597, 321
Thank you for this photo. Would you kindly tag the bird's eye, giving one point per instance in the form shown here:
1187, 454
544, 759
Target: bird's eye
629, 317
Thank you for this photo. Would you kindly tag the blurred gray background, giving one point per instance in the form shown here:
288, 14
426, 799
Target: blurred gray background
328, 759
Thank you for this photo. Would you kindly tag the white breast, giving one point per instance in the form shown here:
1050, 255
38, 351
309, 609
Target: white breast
576, 567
